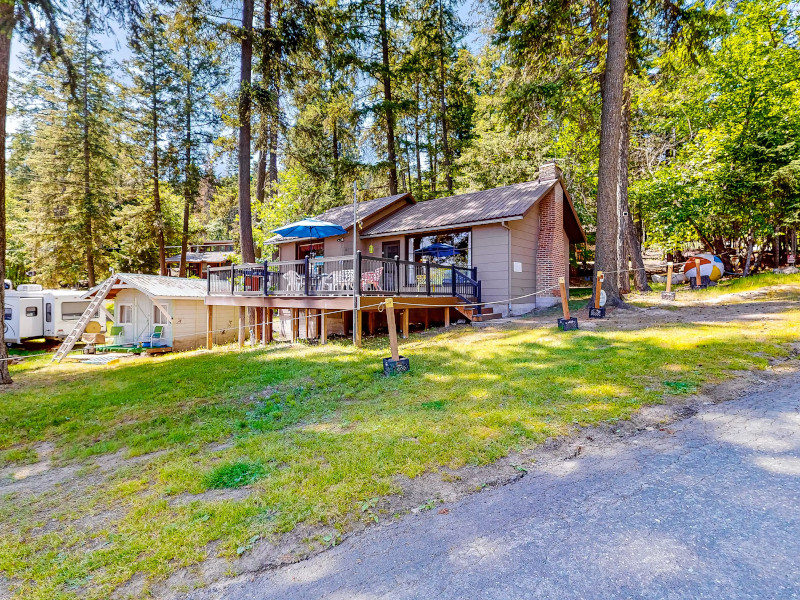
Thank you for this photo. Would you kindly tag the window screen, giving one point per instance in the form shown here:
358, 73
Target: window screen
72, 311
124, 313
158, 317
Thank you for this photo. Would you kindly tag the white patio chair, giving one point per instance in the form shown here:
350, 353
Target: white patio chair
294, 282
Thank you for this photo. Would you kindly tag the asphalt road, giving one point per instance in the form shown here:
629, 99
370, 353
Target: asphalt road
709, 508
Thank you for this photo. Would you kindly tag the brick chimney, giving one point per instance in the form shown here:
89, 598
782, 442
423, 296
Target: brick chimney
549, 171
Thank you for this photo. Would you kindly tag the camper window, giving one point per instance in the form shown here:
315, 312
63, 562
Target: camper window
8, 314
48, 312
31, 311
124, 314
72, 311
159, 318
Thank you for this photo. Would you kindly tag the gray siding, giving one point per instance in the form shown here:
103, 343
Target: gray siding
524, 243
490, 255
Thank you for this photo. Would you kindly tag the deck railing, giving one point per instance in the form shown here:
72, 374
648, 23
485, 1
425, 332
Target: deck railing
344, 276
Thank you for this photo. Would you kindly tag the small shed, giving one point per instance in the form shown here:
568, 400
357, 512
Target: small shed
141, 302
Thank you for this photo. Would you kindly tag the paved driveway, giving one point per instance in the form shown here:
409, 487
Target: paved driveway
709, 508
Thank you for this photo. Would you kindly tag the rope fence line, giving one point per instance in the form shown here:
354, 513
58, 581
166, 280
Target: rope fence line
381, 307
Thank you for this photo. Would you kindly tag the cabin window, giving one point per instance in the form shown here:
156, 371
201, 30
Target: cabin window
450, 248
8, 314
312, 250
72, 311
48, 312
124, 314
31, 311
159, 318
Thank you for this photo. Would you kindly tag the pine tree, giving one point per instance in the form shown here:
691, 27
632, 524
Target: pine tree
198, 71
151, 102
71, 162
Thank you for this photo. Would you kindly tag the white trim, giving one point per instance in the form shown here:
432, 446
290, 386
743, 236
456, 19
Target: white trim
163, 312
441, 227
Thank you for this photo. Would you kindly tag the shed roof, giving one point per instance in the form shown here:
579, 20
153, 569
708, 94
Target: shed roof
156, 286
343, 215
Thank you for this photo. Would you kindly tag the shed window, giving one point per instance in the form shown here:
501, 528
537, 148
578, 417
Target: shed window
31, 311
159, 318
124, 314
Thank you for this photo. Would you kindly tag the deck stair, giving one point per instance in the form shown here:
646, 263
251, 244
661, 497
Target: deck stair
471, 312
76, 333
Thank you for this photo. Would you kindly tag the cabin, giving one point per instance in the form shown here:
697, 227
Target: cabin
142, 302
200, 257
473, 257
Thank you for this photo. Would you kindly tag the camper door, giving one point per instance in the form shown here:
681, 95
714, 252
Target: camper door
31, 318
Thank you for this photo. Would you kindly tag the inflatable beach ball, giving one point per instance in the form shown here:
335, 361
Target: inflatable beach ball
710, 266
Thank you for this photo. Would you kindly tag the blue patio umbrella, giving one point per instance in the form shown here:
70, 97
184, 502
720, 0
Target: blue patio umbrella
438, 250
310, 228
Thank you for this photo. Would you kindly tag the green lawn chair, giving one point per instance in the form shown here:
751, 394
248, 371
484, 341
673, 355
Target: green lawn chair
158, 334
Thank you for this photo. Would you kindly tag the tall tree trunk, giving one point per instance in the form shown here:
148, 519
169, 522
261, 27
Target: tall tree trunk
448, 177
633, 248
245, 72
162, 256
273, 142
749, 256
261, 174
87, 166
623, 274
416, 138
6, 29
387, 98
187, 170
776, 245
611, 115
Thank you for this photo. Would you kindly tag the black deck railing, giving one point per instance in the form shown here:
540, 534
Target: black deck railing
344, 276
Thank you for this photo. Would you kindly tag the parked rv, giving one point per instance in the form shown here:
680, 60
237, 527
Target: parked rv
32, 312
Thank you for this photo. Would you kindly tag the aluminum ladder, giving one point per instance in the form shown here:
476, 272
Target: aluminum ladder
80, 326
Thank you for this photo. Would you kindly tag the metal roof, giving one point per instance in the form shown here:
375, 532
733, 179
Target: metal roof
198, 257
156, 286
475, 207
343, 215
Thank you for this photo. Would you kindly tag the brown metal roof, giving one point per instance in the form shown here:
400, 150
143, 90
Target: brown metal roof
343, 215
474, 207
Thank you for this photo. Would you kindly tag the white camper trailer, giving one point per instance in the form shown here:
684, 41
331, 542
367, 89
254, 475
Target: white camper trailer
32, 312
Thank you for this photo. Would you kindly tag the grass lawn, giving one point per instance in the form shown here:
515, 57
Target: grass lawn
305, 435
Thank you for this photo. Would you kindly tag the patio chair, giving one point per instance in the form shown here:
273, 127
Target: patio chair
326, 282
115, 336
372, 278
158, 334
294, 282
343, 279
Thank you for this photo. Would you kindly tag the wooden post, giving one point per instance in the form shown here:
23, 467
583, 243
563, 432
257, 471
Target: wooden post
564, 300
698, 279
406, 312
306, 315
295, 324
241, 326
598, 289
210, 326
357, 328
371, 315
447, 316
427, 318
268, 325
392, 329
264, 312
324, 326
669, 277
